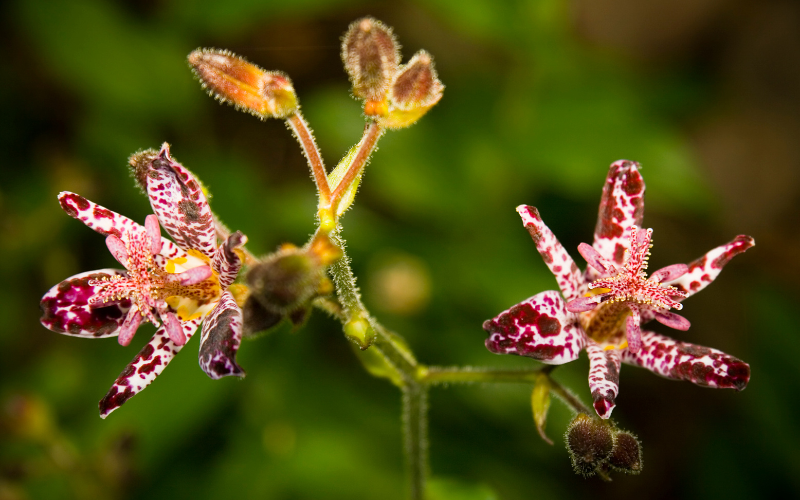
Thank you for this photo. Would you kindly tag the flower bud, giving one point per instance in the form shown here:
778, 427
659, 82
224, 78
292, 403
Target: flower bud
627, 453
229, 78
285, 281
256, 318
589, 442
371, 56
359, 331
415, 89
540, 404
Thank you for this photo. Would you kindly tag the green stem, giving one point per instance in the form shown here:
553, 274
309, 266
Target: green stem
366, 146
415, 433
457, 374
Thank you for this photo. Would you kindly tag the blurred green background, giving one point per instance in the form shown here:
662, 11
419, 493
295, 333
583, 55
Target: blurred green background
541, 97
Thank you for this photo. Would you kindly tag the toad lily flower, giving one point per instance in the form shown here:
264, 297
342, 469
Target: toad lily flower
602, 309
175, 286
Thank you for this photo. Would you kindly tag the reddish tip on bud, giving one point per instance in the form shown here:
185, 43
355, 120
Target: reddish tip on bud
230, 78
415, 89
371, 56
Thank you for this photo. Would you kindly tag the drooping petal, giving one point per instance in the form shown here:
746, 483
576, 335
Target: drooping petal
681, 361
706, 269
540, 328
145, 367
221, 336
553, 253
621, 206
603, 377
672, 320
66, 308
226, 262
178, 200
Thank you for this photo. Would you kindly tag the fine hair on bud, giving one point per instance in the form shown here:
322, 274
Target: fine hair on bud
139, 163
285, 281
627, 453
371, 56
416, 85
589, 442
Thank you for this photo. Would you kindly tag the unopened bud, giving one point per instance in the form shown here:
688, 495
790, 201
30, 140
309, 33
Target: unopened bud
540, 404
376, 365
589, 442
229, 78
627, 453
371, 56
256, 318
415, 89
285, 281
359, 331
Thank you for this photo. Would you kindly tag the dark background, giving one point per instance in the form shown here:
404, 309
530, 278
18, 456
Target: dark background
540, 98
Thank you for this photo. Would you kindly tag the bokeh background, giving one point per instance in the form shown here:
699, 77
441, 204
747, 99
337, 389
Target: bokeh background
541, 97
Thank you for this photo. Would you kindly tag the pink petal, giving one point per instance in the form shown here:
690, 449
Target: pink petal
154, 231
594, 259
681, 361
584, 304
226, 262
603, 377
555, 256
174, 329
669, 273
220, 339
192, 276
632, 329
101, 219
706, 269
621, 206
144, 368
117, 249
672, 320
540, 328
66, 308
178, 200
129, 327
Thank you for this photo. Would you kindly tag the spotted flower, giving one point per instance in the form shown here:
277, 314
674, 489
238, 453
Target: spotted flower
602, 309
175, 286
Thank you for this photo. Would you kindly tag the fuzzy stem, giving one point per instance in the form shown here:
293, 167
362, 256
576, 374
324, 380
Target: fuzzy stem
466, 374
305, 137
372, 132
415, 434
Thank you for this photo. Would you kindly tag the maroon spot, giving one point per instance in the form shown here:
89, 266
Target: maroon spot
536, 235
618, 214
698, 263
612, 373
126, 373
543, 352
102, 213
81, 202
149, 367
573, 268
693, 350
524, 314
556, 269
695, 285
619, 253
146, 352
548, 326
73, 297
601, 405
633, 182
548, 259
114, 399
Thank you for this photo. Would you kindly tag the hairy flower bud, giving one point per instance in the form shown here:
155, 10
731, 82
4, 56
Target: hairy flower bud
627, 453
371, 56
229, 78
589, 442
415, 89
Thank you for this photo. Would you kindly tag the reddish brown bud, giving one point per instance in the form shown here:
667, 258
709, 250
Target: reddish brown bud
415, 89
627, 453
371, 56
229, 78
589, 442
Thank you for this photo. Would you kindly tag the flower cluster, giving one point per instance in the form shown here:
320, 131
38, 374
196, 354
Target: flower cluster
601, 310
175, 286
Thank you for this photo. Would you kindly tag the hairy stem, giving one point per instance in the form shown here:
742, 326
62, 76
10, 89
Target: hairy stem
303, 134
415, 433
369, 140
465, 374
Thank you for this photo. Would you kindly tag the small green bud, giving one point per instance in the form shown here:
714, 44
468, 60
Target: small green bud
540, 404
627, 453
359, 331
589, 442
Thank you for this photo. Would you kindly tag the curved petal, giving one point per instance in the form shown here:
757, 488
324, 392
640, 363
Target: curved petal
178, 200
222, 334
66, 308
621, 206
145, 367
681, 361
603, 377
226, 262
553, 253
706, 269
540, 328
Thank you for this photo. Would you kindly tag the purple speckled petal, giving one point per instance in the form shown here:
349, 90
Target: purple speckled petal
603, 377
669, 273
553, 253
540, 328
633, 332
178, 200
672, 320
621, 206
66, 309
681, 361
220, 339
705, 269
226, 262
145, 367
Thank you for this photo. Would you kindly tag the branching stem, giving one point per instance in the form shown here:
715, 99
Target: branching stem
303, 134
